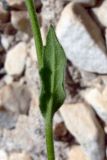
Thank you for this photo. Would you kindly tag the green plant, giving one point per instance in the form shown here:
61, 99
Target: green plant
52, 63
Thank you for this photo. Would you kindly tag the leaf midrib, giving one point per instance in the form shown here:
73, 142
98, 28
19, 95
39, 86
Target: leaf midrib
53, 67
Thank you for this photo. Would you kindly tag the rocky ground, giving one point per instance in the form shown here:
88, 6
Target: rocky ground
80, 126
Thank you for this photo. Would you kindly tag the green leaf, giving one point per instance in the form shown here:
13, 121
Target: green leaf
52, 75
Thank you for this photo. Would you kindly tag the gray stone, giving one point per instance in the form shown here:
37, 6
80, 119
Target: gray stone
100, 13
82, 39
15, 59
89, 79
29, 136
97, 98
8, 120
20, 156
14, 2
81, 121
15, 98
51, 11
32, 77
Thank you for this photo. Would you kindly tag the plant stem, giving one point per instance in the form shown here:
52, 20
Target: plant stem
49, 138
35, 30
39, 49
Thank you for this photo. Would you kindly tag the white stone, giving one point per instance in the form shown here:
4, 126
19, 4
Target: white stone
15, 98
6, 41
81, 121
16, 59
98, 100
32, 51
19, 156
22, 137
32, 77
26, 131
82, 39
3, 155
101, 13
19, 37
14, 2
29, 136
77, 153
8, 79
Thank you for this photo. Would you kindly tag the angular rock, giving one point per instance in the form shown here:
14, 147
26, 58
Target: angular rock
81, 121
15, 98
20, 156
52, 9
77, 153
82, 39
16, 59
98, 100
100, 13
